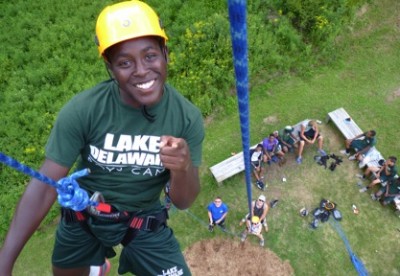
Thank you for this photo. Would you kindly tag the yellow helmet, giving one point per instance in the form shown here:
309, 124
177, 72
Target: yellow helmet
124, 21
255, 219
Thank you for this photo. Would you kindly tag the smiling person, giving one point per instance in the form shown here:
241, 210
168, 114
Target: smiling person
217, 211
136, 134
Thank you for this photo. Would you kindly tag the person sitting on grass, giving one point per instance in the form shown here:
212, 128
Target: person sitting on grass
255, 229
384, 174
387, 194
309, 133
272, 148
260, 209
286, 139
256, 160
217, 211
361, 144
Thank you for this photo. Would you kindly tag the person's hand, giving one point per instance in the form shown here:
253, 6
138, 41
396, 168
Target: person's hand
174, 153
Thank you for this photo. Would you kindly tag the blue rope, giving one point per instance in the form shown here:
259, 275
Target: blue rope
237, 17
357, 263
70, 195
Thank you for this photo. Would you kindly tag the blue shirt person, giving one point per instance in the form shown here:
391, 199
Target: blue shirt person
217, 211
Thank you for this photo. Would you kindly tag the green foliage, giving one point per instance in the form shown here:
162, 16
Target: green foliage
201, 63
318, 21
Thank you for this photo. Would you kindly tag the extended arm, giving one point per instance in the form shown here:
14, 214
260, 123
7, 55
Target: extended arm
185, 183
265, 212
32, 208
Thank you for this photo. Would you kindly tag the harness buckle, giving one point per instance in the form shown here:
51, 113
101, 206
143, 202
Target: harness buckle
148, 224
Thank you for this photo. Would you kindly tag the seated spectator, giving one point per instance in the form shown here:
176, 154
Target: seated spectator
217, 211
286, 139
260, 209
309, 133
384, 174
272, 148
256, 159
361, 144
387, 194
254, 229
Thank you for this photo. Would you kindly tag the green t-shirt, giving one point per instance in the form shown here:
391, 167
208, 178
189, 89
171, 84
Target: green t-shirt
285, 136
120, 146
368, 141
394, 187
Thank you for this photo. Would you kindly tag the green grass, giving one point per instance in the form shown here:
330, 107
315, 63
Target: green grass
363, 81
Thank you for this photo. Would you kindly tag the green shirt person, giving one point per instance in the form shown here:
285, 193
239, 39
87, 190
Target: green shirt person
136, 134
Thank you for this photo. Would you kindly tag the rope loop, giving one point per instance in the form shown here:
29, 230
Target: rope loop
70, 195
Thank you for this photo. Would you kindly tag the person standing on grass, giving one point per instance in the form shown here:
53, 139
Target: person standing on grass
260, 209
217, 212
135, 133
254, 228
382, 175
309, 133
361, 144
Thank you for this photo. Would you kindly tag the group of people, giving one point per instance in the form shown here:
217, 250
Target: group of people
279, 143
254, 221
383, 173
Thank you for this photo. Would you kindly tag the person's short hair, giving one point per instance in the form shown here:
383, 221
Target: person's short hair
393, 159
373, 132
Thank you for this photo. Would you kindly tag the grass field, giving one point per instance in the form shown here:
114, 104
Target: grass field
366, 82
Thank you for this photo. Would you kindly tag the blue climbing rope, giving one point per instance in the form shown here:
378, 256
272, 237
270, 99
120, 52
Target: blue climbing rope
70, 195
237, 17
357, 263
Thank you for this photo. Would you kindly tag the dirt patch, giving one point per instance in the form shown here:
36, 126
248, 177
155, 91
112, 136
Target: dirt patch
394, 95
270, 120
362, 10
229, 257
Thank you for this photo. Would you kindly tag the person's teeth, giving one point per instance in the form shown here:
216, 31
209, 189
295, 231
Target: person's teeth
145, 85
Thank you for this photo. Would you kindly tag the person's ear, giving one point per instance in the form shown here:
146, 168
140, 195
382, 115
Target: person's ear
108, 68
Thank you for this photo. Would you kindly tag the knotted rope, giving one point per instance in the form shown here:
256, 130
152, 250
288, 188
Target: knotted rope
70, 195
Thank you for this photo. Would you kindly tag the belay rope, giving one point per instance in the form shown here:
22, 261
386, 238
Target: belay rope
237, 18
357, 263
70, 195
